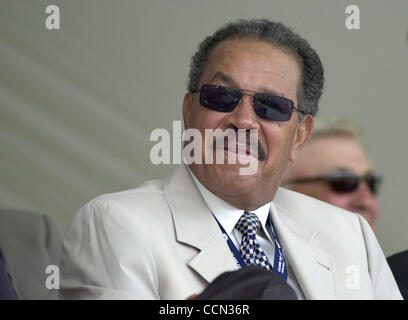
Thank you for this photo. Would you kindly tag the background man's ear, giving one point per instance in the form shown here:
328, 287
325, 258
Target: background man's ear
187, 107
303, 133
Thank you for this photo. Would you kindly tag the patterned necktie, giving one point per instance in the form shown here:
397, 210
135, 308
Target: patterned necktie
250, 249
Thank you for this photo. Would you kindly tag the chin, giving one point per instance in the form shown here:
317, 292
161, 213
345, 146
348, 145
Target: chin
231, 182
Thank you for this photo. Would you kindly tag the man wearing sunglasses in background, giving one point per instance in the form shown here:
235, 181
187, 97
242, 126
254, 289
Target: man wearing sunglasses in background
169, 239
333, 167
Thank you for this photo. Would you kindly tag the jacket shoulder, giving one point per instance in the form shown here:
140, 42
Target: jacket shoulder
150, 192
298, 202
145, 203
314, 213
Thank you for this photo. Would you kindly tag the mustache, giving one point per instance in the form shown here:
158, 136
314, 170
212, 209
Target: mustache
231, 140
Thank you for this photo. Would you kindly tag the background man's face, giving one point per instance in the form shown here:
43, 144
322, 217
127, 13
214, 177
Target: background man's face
257, 66
324, 155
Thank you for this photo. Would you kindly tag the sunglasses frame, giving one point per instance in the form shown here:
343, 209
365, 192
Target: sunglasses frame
336, 176
254, 101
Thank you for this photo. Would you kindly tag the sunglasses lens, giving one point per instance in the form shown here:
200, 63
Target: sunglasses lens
373, 182
272, 107
344, 184
219, 98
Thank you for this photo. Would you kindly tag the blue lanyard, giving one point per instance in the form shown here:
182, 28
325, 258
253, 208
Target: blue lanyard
279, 263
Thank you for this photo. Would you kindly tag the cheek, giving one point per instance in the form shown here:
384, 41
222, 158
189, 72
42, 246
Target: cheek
277, 142
205, 119
376, 205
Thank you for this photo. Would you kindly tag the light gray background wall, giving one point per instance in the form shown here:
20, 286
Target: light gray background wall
77, 105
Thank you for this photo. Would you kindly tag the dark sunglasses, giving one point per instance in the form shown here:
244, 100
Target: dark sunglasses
346, 182
266, 106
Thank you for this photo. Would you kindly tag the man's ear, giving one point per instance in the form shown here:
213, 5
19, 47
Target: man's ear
303, 133
187, 108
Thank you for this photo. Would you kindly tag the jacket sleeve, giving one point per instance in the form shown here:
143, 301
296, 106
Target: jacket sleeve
7, 291
105, 256
382, 279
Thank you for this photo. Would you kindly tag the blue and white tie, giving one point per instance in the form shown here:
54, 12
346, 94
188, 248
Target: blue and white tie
250, 249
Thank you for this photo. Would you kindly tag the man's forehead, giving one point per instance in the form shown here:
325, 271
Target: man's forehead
335, 153
224, 78
253, 65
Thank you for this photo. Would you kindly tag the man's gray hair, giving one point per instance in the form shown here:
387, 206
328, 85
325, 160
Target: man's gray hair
312, 80
335, 126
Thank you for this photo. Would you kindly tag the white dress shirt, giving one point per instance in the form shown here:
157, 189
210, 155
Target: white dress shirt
228, 217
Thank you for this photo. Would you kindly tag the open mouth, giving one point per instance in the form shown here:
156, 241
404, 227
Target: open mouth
241, 151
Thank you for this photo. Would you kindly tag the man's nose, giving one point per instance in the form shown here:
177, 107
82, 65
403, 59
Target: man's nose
244, 116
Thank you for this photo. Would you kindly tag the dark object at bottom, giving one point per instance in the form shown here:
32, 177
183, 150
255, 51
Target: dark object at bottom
7, 291
399, 266
249, 283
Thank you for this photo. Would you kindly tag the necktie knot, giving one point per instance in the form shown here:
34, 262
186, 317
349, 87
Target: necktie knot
248, 224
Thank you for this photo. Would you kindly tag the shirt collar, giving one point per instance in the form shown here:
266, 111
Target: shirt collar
226, 214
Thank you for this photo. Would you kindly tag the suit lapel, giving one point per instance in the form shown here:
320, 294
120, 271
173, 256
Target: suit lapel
215, 258
313, 268
195, 226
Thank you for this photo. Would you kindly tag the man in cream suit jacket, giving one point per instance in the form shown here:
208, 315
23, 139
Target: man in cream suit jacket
160, 241
167, 239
